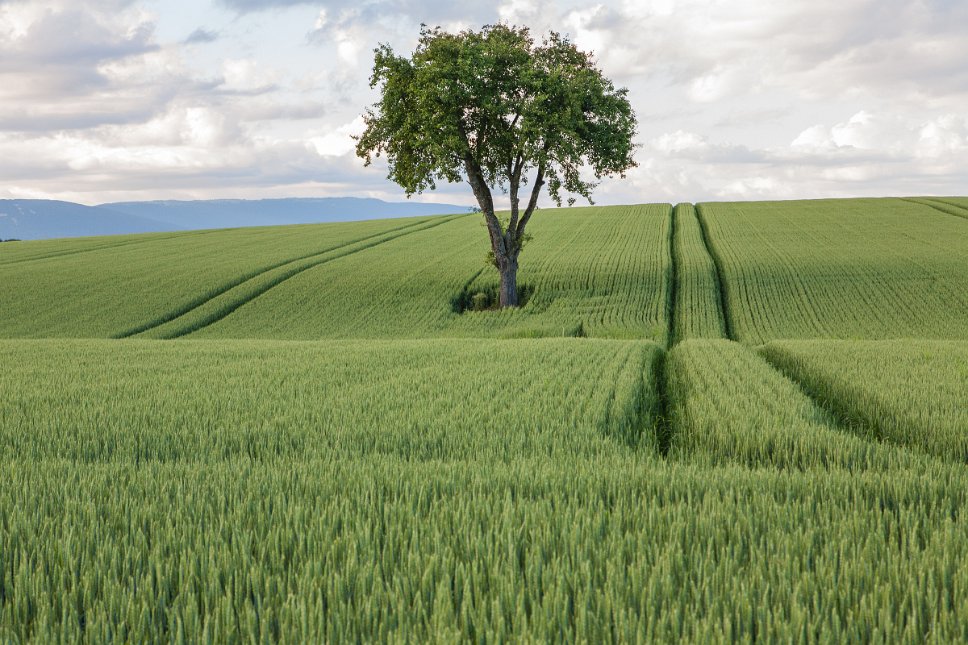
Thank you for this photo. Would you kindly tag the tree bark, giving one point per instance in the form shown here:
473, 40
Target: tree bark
508, 268
504, 244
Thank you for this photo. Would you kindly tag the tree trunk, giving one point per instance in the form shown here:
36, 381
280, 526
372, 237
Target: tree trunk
509, 282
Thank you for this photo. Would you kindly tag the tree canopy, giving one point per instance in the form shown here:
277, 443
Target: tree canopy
497, 109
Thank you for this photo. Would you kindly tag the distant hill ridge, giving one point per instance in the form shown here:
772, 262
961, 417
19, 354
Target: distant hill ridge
36, 219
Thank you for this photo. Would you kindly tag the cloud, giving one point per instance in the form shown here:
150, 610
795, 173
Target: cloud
244, 6
736, 98
889, 136
58, 60
201, 35
247, 76
338, 142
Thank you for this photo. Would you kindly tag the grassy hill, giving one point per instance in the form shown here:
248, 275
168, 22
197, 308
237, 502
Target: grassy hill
707, 423
864, 268
382, 278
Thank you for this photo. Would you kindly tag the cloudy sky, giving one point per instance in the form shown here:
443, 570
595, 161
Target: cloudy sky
737, 99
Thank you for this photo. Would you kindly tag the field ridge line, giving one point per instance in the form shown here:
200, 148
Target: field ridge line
226, 311
718, 266
939, 205
242, 279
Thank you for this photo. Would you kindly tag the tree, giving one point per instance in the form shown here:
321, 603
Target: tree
492, 107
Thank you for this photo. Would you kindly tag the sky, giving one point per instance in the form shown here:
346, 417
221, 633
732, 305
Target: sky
114, 100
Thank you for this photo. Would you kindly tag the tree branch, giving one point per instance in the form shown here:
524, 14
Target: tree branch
475, 177
533, 202
514, 176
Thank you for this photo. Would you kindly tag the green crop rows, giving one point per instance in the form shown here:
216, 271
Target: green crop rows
893, 399
852, 269
729, 422
378, 279
610, 282
698, 297
84, 289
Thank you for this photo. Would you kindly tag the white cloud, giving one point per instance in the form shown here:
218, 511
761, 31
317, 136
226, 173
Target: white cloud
679, 141
755, 187
942, 136
517, 11
737, 98
338, 142
246, 75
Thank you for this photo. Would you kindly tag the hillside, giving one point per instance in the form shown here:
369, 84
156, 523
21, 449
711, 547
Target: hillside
772, 270
712, 422
382, 278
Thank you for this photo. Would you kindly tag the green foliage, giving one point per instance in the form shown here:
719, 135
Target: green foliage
480, 301
499, 96
492, 107
857, 268
913, 393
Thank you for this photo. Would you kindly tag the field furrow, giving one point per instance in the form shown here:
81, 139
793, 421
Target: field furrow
864, 268
728, 405
600, 272
230, 297
698, 303
913, 393
112, 291
946, 206
959, 202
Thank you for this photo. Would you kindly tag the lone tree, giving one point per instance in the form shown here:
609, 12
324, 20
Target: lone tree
492, 107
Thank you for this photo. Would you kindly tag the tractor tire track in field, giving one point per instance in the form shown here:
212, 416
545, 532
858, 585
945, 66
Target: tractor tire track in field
245, 277
250, 292
948, 202
940, 206
627, 438
664, 424
663, 412
672, 286
840, 413
720, 280
631, 415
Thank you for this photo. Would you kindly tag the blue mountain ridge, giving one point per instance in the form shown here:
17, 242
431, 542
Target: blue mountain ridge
35, 219
38, 219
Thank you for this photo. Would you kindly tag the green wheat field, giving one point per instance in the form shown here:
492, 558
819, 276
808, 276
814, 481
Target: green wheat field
722, 421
